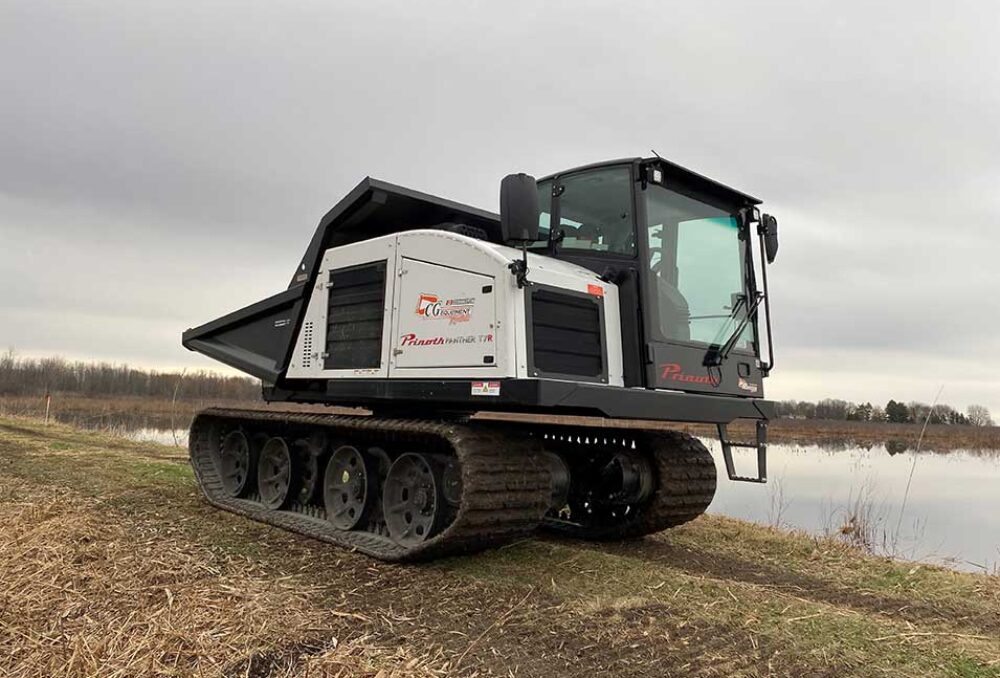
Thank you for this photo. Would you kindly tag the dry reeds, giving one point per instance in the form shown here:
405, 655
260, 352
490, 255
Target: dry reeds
81, 594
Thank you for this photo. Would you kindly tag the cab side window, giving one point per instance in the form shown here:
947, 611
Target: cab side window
595, 211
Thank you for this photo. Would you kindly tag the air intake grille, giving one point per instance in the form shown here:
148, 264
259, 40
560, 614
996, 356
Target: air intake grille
566, 334
307, 344
355, 315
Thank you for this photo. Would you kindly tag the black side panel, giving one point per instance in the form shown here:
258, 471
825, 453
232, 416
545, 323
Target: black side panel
421, 397
567, 337
256, 339
681, 367
629, 303
355, 313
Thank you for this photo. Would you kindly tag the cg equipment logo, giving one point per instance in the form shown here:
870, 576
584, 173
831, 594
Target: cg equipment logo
431, 306
424, 301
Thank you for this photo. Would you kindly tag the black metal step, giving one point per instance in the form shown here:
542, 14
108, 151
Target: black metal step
760, 446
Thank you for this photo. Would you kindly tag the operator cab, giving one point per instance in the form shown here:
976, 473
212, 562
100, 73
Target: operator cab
680, 248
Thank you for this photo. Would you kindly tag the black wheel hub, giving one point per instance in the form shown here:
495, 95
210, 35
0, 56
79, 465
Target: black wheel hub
631, 474
411, 499
609, 490
347, 488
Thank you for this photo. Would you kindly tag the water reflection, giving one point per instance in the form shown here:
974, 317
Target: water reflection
177, 437
165, 430
894, 447
950, 513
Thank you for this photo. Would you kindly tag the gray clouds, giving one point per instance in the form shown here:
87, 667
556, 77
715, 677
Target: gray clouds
162, 163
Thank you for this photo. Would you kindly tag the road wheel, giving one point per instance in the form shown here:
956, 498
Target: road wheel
411, 499
279, 474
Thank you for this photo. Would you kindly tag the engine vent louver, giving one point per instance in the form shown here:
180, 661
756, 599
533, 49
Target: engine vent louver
566, 335
355, 314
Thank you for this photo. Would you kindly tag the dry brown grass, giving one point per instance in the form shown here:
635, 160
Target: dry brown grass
80, 596
94, 530
93, 411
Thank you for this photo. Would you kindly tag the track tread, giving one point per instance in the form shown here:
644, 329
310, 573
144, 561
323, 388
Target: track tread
505, 483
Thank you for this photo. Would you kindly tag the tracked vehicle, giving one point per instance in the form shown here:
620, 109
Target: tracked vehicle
631, 289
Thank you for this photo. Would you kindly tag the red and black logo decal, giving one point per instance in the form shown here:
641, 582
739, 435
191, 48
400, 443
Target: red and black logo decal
674, 372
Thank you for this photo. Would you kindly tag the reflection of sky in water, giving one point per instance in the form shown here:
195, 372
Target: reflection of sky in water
952, 511
159, 435
141, 428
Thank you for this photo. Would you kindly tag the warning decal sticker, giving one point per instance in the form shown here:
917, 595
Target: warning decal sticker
486, 388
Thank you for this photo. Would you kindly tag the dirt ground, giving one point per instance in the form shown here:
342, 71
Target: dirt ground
112, 565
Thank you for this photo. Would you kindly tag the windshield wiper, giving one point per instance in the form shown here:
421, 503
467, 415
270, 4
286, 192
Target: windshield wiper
719, 353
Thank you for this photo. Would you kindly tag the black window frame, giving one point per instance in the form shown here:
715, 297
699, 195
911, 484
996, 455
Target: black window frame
645, 274
555, 216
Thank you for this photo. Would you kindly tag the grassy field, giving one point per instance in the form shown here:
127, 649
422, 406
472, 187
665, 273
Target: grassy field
112, 565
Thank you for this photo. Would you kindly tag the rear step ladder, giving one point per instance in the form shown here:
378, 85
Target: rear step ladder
760, 446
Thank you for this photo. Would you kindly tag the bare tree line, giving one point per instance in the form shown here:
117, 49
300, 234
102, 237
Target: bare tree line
29, 376
893, 411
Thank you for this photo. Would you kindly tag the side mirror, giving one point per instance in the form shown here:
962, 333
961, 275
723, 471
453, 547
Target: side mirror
519, 208
769, 228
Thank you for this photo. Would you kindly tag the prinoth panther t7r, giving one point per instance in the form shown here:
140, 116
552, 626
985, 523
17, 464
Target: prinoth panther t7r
625, 290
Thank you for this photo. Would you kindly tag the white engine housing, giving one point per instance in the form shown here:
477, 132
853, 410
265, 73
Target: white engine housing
452, 309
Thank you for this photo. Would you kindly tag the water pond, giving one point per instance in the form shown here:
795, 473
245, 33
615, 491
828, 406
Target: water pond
940, 507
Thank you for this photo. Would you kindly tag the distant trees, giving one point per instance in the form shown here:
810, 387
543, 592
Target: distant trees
896, 412
795, 409
830, 408
861, 413
945, 414
978, 415
27, 376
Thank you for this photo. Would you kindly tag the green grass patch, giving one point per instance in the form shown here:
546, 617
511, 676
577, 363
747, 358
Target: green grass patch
594, 582
971, 668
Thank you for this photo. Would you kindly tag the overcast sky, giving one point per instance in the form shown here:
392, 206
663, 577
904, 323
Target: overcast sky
162, 163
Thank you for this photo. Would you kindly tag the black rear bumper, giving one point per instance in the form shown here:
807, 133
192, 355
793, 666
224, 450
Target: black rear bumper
548, 396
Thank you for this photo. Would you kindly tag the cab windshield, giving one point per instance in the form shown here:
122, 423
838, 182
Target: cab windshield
696, 260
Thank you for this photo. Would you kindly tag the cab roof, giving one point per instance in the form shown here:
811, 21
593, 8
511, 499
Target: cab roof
672, 172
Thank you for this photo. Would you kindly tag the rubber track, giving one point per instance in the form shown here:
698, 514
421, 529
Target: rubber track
686, 482
506, 487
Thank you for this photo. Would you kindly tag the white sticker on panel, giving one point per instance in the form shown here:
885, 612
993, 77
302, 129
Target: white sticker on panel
486, 388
